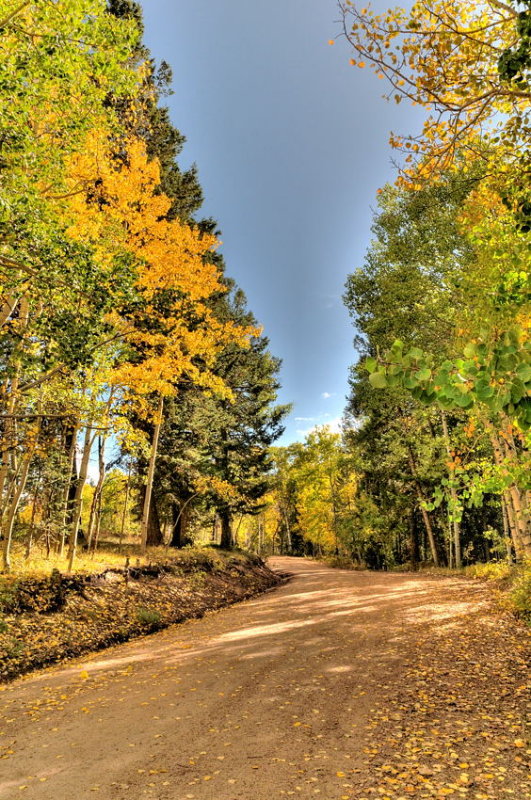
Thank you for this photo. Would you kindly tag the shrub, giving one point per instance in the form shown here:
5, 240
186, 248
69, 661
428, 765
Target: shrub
491, 571
520, 595
147, 616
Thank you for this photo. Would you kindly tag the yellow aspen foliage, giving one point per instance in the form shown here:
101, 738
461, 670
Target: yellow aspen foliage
445, 55
115, 206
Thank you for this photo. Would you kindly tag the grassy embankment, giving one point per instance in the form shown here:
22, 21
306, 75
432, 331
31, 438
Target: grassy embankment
47, 615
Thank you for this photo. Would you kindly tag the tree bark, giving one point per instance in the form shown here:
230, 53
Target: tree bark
70, 485
425, 515
97, 528
150, 477
227, 541
456, 525
155, 536
124, 511
78, 500
13, 508
31, 529
518, 525
519, 497
12, 389
288, 533
177, 526
180, 521
506, 530
95, 506
215, 528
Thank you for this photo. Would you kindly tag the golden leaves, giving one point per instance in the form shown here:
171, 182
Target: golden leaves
443, 55
120, 211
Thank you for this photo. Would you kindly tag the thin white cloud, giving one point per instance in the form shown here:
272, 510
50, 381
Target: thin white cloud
327, 395
304, 419
333, 425
331, 300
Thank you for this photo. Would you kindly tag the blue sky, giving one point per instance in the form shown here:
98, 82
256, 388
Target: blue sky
291, 143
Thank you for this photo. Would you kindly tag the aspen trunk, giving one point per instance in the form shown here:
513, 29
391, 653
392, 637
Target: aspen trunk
513, 527
9, 436
7, 308
150, 476
425, 515
506, 531
519, 498
456, 525
78, 499
95, 506
29, 540
288, 532
521, 520
517, 522
124, 512
71, 467
13, 507
96, 537
8, 443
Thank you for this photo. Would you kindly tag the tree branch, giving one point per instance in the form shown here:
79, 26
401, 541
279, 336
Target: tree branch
14, 13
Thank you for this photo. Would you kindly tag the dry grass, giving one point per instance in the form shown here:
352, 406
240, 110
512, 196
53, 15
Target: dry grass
108, 557
513, 581
492, 571
39, 565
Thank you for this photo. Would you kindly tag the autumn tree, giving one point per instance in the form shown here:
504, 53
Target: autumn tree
418, 285
106, 280
467, 64
57, 68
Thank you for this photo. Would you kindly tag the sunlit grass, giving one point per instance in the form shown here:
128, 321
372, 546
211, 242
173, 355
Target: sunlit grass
514, 582
492, 571
39, 564
108, 557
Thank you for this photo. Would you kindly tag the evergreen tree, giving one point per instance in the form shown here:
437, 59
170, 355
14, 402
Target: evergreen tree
219, 449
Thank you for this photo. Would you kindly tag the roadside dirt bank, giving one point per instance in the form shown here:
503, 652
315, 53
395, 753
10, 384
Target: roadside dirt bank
46, 620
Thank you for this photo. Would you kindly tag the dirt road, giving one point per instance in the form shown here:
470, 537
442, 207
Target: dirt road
338, 685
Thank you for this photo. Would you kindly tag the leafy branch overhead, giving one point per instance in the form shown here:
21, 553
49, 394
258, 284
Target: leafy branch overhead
494, 374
